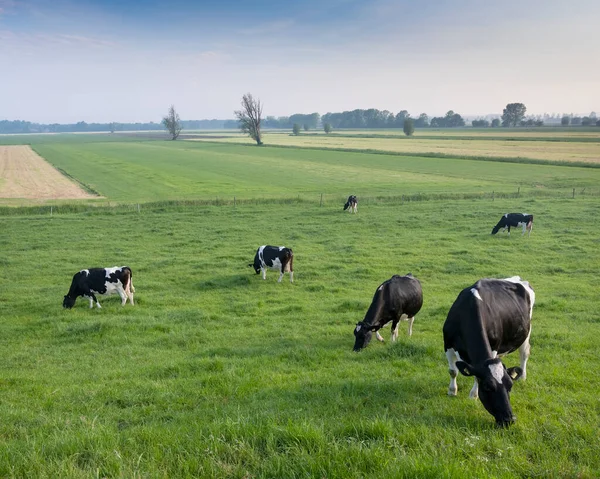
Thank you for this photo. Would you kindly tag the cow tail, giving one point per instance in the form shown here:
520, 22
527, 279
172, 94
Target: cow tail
291, 261
129, 285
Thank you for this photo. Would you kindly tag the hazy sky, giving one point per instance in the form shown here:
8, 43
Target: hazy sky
70, 60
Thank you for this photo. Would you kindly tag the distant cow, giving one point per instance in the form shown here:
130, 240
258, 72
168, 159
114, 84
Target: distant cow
279, 258
515, 220
400, 297
352, 203
92, 281
488, 320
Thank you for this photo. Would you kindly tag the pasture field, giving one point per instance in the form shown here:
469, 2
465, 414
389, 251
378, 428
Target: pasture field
217, 373
573, 149
142, 171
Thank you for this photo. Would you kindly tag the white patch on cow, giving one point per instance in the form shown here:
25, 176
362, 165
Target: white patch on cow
497, 370
281, 247
86, 271
380, 288
476, 294
358, 326
506, 215
379, 336
276, 264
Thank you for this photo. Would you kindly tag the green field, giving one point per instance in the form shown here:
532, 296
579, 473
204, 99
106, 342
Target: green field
142, 171
217, 373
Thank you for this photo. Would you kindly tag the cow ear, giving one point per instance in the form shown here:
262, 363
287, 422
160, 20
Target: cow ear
515, 373
465, 368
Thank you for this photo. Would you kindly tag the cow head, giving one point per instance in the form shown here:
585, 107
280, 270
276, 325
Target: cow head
68, 302
495, 384
256, 266
363, 334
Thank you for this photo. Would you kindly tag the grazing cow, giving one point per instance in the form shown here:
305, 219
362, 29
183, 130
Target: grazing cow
515, 220
352, 203
89, 282
400, 297
274, 257
488, 320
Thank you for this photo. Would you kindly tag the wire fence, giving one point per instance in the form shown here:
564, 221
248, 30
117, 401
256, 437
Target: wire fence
322, 200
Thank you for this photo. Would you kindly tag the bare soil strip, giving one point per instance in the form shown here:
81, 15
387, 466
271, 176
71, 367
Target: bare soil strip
25, 174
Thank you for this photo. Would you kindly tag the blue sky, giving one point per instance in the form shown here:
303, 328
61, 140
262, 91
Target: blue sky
99, 61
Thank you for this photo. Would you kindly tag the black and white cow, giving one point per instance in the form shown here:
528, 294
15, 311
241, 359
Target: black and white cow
515, 220
400, 297
92, 281
279, 258
352, 203
488, 320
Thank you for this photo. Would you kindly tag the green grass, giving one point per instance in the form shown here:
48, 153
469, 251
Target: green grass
217, 373
166, 170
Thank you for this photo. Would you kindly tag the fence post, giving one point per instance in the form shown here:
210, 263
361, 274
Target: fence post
402, 199
51, 211
234, 201
138, 208
321, 202
519, 192
573, 193
492, 196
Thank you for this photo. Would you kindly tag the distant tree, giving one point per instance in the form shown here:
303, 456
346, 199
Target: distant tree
422, 121
495, 122
112, 126
587, 121
172, 123
593, 116
539, 122
513, 114
597, 122
306, 127
249, 117
408, 127
327, 128
576, 120
400, 117
565, 120
296, 129
480, 123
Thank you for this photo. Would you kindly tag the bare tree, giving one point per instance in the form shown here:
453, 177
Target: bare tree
172, 123
249, 117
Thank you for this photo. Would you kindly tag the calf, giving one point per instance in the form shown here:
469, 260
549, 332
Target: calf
489, 319
352, 203
400, 297
89, 282
514, 220
279, 258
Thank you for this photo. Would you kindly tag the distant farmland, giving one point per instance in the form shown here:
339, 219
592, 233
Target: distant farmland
576, 147
141, 171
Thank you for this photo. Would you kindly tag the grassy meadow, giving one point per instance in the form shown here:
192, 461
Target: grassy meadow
217, 373
144, 171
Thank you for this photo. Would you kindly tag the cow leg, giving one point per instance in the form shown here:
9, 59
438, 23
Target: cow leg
508, 230
379, 336
291, 276
122, 294
453, 370
264, 273
395, 325
129, 289
410, 323
93, 300
524, 350
281, 274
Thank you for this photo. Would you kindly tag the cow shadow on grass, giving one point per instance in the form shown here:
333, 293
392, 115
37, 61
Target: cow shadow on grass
224, 282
